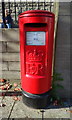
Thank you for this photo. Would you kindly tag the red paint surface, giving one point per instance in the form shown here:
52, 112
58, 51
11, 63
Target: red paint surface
36, 61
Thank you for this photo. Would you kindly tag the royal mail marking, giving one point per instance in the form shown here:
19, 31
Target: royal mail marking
34, 68
34, 64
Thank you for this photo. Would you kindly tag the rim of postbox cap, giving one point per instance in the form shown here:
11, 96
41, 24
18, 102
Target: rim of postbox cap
37, 12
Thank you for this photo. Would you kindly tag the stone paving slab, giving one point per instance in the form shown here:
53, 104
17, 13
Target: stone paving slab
6, 110
71, 112
57, 113
0, 109
22, 111
19, 110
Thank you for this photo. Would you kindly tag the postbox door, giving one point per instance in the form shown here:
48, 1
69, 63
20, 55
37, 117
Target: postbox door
35, 57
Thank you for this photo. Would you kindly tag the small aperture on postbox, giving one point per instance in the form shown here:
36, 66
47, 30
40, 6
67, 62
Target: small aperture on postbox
35, 25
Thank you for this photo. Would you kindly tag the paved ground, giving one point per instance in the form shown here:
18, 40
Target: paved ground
17, 109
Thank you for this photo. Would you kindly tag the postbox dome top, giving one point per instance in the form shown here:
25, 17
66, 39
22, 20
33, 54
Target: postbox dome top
37, 12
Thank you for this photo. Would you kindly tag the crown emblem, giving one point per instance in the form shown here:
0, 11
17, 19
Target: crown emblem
35, 56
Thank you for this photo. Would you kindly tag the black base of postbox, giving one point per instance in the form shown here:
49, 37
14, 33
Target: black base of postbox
37, 101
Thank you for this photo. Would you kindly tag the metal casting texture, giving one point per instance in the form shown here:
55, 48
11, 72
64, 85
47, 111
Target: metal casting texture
36, 60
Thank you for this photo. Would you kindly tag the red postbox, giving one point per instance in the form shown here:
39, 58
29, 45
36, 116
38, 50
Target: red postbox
36, 51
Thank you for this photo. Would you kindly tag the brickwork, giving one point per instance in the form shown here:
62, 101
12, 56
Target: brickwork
9, 52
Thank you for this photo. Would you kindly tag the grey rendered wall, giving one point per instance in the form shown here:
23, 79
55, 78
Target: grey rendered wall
62, 55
